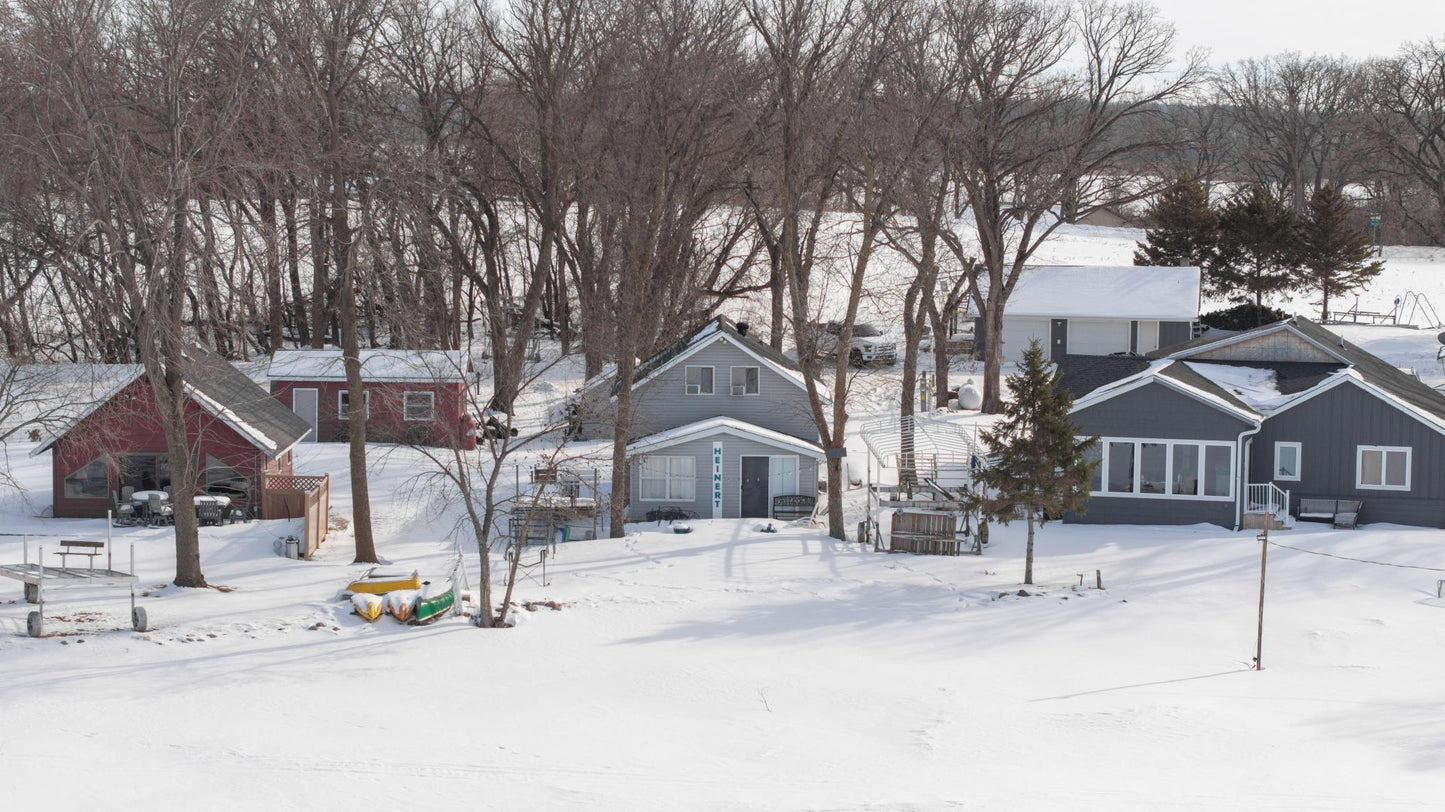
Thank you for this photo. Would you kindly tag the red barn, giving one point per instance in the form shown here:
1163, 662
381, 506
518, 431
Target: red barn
412, 396
238, 432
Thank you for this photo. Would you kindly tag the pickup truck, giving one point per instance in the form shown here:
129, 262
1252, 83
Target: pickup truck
869, 345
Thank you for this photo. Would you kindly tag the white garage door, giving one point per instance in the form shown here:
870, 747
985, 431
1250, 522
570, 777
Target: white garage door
1018, 331
1098, 336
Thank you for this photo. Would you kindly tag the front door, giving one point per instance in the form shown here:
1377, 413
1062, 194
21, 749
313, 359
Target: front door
304, 402
1058, 340
755, 488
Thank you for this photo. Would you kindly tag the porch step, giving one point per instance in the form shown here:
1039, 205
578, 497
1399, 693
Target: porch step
1262, 520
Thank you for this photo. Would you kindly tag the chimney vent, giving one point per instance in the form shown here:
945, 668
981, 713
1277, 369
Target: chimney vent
742, 328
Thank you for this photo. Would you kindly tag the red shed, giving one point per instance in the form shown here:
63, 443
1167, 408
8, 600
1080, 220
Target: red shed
236, 429
412, 396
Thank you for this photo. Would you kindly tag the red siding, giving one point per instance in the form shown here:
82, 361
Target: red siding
386, 423
129, 424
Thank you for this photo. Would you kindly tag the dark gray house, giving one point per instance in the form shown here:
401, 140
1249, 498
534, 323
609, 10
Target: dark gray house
1229, 425
720, 426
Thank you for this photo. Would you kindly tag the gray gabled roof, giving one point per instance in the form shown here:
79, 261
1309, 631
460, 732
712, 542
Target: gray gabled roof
227, 393
1372, 370
702, 333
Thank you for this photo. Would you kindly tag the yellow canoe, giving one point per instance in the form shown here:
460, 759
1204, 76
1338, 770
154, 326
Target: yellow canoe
370, 607
376, 582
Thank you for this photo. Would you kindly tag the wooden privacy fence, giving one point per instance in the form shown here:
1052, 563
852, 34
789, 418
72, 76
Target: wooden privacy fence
304, 497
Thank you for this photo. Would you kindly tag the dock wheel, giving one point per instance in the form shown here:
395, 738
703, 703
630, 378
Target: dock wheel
32, 593
138, 619
34, 625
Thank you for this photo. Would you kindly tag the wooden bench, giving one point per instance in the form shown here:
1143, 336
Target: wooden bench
89, 549
793, 507
1338, 512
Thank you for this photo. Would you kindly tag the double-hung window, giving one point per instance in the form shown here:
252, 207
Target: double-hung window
745, 380
343, 403
1384, 468
418, 406
699, 380
1287, 461
667, 479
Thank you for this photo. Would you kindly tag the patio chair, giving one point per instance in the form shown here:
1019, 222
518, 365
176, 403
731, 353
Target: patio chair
208, 513
158, 510
124, 514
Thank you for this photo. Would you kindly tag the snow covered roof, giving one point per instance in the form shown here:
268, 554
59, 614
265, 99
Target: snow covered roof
1106, 291
714, 426
402, 366
715, 329
223, 392
1255, 387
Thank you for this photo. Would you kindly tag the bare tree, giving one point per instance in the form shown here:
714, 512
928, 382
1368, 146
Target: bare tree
1039, 140
1407, 97
1300, 117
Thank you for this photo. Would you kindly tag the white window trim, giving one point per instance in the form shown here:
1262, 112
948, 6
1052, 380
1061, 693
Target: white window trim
685, 384
1384, 450
365, 398
733, 376
1298, 462
1168, 469
668, 479
431, 396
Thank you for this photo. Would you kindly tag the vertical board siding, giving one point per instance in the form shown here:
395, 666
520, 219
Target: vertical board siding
1174, 333
734, 449
1329, 427
1156, 412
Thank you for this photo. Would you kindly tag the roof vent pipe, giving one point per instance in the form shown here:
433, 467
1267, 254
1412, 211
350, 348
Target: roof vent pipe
742, 328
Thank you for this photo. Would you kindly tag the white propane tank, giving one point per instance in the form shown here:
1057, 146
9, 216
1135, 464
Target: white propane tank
969, 397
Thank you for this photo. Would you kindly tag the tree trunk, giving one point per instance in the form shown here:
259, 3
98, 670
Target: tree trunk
940, 352
344, 259
993, 358
1029, 551
622, 425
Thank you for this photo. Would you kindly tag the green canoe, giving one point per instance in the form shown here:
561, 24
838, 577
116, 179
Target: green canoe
436, 599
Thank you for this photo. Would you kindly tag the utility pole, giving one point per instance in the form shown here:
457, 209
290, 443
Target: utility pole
1259, 631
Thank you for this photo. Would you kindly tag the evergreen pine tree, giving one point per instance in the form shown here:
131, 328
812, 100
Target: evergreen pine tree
1335, 254
1185, 230
1039, 469
1258, 249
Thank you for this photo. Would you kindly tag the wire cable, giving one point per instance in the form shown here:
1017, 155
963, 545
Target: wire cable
1357, 560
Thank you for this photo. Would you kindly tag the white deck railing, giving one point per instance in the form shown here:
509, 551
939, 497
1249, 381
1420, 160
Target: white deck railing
1266, 497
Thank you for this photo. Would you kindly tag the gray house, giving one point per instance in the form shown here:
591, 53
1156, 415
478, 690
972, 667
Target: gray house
1225, 426
1098, 310
720, 426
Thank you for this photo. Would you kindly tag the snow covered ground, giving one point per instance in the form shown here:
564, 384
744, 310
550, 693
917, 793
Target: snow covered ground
734, 669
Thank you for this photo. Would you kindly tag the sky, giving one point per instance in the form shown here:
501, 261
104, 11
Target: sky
1236, 29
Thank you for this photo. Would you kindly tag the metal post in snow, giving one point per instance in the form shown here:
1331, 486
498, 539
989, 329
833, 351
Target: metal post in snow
1259, 631
109, 561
